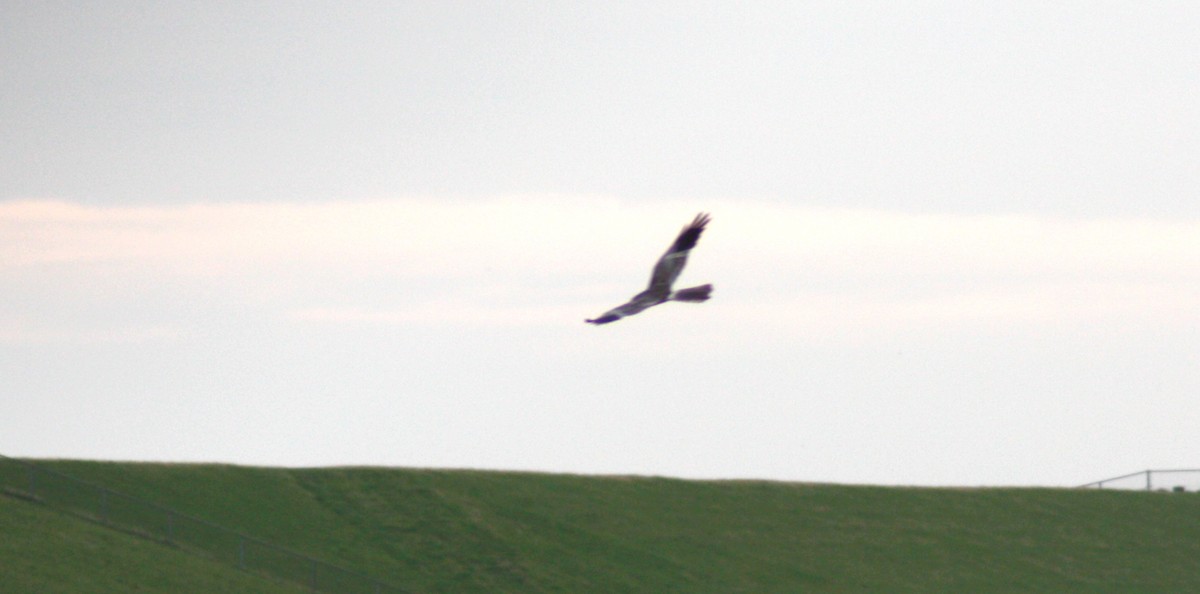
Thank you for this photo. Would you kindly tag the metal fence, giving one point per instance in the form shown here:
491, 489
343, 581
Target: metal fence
1175, 480
130, 514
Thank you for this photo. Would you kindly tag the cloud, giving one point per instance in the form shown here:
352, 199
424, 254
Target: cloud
11, 331
517, 260
462, 313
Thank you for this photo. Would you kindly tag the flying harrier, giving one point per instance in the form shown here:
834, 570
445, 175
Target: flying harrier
665, 272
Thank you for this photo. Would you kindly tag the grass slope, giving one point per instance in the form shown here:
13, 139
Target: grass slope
44, 551
464, 531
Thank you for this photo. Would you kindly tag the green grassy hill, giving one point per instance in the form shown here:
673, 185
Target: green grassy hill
44, 551
459, 531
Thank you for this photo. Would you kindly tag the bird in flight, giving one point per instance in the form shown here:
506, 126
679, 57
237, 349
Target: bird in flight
665, 272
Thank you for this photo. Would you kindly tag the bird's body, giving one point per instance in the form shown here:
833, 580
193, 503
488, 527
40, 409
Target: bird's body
661, 280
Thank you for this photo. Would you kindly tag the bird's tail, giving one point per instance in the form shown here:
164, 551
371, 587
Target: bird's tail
692, 294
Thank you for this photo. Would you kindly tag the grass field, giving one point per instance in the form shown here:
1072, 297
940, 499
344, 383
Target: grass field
44, 551
465, 531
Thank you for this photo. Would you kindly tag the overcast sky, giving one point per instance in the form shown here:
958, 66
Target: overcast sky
952, 243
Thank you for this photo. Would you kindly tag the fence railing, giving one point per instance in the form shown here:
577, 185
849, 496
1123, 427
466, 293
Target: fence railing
1181, 479
130, 514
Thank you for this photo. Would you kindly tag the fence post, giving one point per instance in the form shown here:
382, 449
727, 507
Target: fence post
1149, 487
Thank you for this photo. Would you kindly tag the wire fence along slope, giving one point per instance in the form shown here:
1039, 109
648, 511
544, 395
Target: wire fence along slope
1179, 479
26, 480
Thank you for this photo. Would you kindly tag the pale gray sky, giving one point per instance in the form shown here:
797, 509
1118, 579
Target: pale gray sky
952, 243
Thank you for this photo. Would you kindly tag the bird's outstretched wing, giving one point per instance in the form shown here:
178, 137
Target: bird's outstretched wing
671, 263
621, 311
